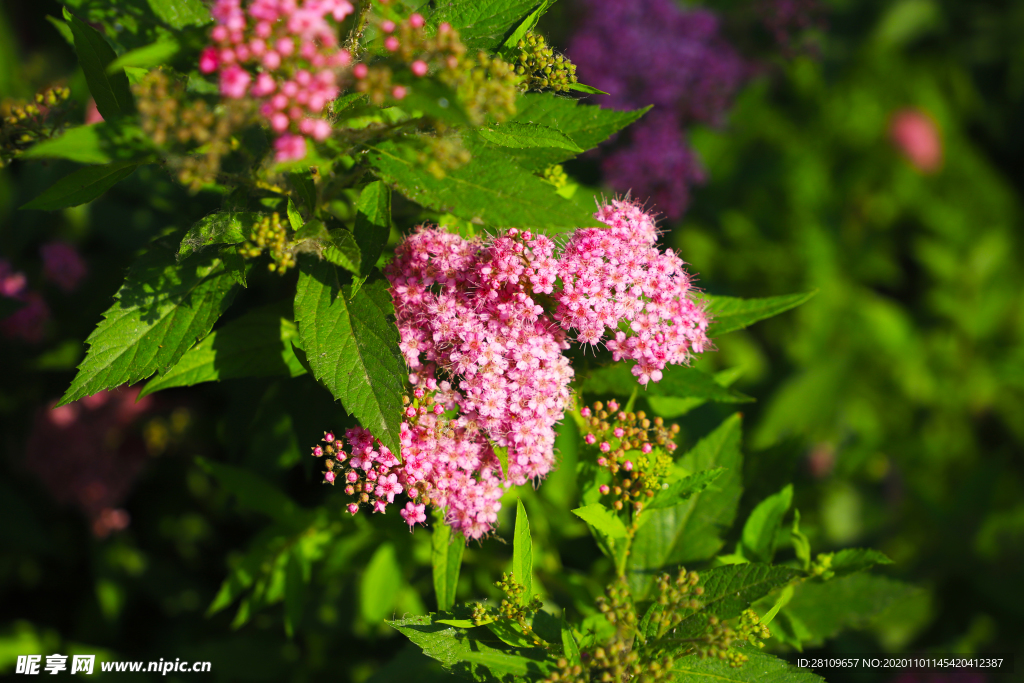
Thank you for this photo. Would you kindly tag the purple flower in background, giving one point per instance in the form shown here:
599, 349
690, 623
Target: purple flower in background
28, 322
657, 165
790, 21
62, 265
657, 52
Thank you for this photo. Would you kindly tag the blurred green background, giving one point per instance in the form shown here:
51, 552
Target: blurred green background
895, 398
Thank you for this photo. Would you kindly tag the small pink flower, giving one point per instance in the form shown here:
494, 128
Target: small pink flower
265, 85
387, 26
329, 437
398, 92
391, 44
317, 451
628, 466
605, 446
413, 514
590, 439
915, 134
419, 67
646, 448
329, 477
604, 489
353, 508
234, 81
208, 61
417, 20
360, 71
289, 148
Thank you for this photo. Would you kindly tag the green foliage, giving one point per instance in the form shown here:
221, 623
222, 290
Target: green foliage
483, 23
762, 668
730, 314
352, 346
109, 87
764, 526
678, 381
258, 344
527, 135
230, 227
692, 530
522, 553
446, 551
675, 493
161, 310
100, 143
489, 190
373, 225
381, 582
82, 186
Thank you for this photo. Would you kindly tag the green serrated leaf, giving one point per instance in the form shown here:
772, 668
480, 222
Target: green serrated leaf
305, 188
670, 407
463, 652
677, 381
433, 98
110, 90
252, 491
586, 125
295, 218
525, 135
446, 558
181, 13
569, 647
351, 343
764, 525
147, 56
589, 89
373, 224
343, 251
679, 491
258, 344
522, 554
759, 668
380, 585
82, 186
727, 592
489, 190
482, 24
99, 143
161, 310
312, 230
693, 530
729, 313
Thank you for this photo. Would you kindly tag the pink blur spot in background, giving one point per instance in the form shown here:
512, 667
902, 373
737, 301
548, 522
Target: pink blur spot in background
916, 136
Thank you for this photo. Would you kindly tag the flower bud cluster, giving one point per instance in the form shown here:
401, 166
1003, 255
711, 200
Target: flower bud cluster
633, 449
616, 276
676, 597
540, 67
512, 608
270, 234
719, 638
179, 125
285, 54
22, 124
556, 175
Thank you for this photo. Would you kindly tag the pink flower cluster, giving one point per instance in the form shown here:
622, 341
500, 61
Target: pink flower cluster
614, 277
285, 54
488, 369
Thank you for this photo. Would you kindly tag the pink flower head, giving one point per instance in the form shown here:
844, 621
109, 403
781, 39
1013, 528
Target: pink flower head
417, 20
329, 477
414, 514
208, 60
915, 134
398, 92
62, 265
419, 67
391, 44
234, 81
289, 148
360, 71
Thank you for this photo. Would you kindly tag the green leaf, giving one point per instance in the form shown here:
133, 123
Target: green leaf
99, 143
81, 186
313, 230
161, 310
854, 601
729, 313
764, 525
586, 125
63, 29
489, 190
433, 98
511, 43
232, 227
373, 224
679, 491
110, 90
147, 56
351, 342
589, 89
569, 647
760, 668
343, 251
181, 13
728, 591
446, 557
295, 218
852, 560
380, 585
801, 544
522, 554
671, 407
524, 135
691, 531
482, 24
252, 491
258, 344
305, 187
602, 519
463, 652
677, 381
295, 579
